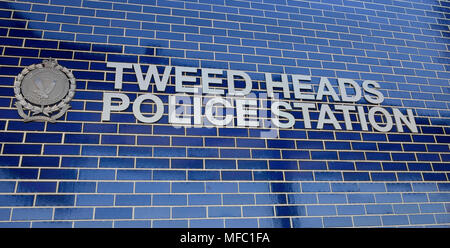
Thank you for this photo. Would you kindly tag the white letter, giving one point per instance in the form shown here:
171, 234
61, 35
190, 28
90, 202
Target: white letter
399, 118
206, 80
345, 110
209, 111
107, 107
362, 118
248, 83
198, 118
275, 107
298, 86
119, 72
242, 112
173, 118
387, 116
343, 90
152, 72
158, 106
305, 112
325, 110
330, 91
374, 91
179, 79
283, 84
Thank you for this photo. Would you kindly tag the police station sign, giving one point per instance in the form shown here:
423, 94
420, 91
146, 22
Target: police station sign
201, 97
213, 97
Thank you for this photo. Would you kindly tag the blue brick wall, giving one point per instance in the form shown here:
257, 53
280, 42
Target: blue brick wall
80, 172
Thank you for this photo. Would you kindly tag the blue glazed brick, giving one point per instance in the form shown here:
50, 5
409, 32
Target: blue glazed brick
220, 164
188, 212
116, 162
93, 224
32, 214
406, 208
298, 176
169, 175
96, 174
432, 208
379, 209
55, 200
238, 199
113, 213
115, 187
291, 154
9, 160
77, 187
205, 199
16, 200
206, 223
188, 187
7, 187
224, 211
40, 187
434, 177
202, 152
307, 222
81, 138
360, 198
315, 187
236, 175
351, 210
203, 175
133, 200
79, 162
366, 221
152, 163
275, 223
442, 218
132, 224
424, 187
170, 224
152, 187
422, 219
356, 176
40, 161
241, 223
322, 210
332, 198
390, 220
328, 176
98, 150
135, 151
169, 152
21, 149
337, 222
118, 139
221, 187
398, 187
134, 175
388, 198
169, 200
415, 197
438, 197
62, 150
187, 163
269, 175
383, 176
286, 165
58, 174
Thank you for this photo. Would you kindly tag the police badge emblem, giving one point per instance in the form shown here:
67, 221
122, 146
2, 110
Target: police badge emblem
43, 91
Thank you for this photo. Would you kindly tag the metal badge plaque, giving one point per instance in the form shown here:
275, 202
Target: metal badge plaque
43, 91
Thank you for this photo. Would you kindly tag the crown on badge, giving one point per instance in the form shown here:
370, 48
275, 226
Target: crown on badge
49, 62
